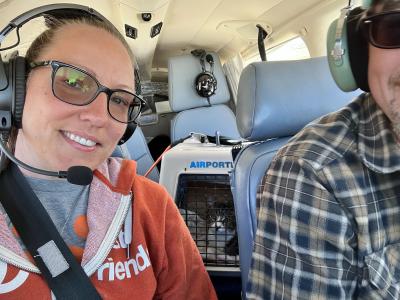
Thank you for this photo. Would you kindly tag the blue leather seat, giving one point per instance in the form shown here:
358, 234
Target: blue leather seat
136, 148
193, 112
275, 101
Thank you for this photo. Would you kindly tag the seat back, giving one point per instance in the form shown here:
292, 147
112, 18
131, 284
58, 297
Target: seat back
194, 114
136, 148
275, 101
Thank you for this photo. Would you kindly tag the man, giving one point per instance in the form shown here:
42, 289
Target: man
329, 222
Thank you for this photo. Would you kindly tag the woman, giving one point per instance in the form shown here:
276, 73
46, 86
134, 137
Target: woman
70, 119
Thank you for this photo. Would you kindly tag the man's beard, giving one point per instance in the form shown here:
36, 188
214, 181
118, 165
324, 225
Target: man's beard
396, 131
394, 86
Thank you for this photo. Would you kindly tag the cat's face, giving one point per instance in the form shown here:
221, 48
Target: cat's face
221, 214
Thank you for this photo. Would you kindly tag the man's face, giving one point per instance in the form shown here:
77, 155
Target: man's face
384, 81
384, 75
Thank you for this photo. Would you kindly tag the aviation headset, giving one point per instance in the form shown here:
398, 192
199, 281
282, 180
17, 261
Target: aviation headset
348, 49
205, 83
13, 72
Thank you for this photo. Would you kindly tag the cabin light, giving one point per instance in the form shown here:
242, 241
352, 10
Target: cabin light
146, 17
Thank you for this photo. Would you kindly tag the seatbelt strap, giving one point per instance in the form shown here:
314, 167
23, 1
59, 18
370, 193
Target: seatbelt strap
125, 151
63, 273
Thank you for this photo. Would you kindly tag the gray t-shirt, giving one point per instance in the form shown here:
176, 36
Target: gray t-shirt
66, 205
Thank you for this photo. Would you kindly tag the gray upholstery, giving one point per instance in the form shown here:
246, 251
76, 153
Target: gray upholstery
275, 100
279, 98
205, 120
136, 148
195, 115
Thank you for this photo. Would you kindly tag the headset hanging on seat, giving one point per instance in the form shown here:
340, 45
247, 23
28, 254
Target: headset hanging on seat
205, 83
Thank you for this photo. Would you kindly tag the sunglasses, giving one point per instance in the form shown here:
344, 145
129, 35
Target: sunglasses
383, 29
75, 86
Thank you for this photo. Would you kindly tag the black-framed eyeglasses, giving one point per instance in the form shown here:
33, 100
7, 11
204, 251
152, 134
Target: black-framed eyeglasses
75, 86
383, 29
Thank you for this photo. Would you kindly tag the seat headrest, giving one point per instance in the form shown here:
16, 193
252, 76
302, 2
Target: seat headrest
182, 72
277, 99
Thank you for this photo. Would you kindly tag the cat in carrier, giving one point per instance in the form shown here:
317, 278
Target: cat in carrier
211, 221
221, 234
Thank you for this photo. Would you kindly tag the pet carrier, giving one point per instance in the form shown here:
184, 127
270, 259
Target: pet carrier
196, 174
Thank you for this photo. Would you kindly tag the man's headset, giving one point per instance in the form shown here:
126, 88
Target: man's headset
205, 83
13, 85
348, 49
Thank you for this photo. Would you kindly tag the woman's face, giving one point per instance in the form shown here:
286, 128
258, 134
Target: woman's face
56, 135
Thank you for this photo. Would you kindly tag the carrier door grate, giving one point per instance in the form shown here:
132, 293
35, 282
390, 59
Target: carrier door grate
206, 204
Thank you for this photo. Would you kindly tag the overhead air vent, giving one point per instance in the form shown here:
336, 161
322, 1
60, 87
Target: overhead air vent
130, 31
156, 29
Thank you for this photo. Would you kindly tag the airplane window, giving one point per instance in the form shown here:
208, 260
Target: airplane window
293, 49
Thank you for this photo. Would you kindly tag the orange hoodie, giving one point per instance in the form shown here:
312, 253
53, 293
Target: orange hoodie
162, 261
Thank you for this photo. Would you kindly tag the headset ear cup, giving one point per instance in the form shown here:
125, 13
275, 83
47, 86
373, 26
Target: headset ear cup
358, 49
351, 70
199, 84
205, 84
19, 76
340, 68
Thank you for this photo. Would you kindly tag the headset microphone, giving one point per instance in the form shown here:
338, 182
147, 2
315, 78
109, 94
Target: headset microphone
79, 175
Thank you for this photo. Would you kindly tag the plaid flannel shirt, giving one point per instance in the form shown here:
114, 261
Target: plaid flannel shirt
329, 219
